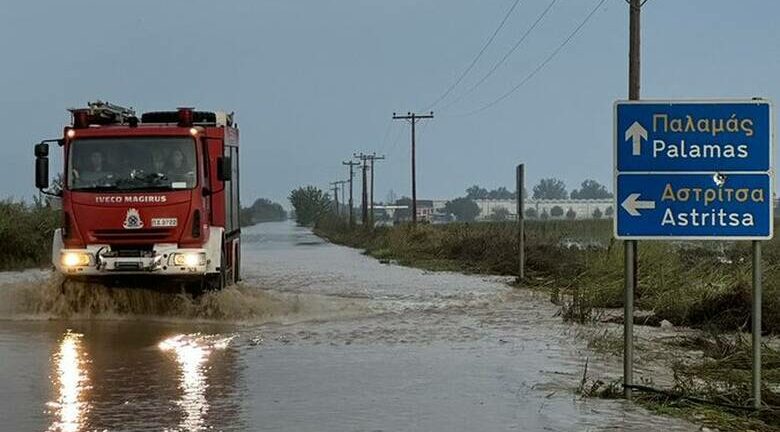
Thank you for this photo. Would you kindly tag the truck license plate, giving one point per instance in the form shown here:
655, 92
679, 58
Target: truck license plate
164, 222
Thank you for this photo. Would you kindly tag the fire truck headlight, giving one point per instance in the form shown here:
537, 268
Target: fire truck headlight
189, 259
73, 259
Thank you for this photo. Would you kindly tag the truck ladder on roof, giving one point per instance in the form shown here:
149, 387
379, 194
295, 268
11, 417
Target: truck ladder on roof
106, 112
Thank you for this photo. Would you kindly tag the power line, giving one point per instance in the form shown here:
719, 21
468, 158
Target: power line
506, 56
541, 65
474, 62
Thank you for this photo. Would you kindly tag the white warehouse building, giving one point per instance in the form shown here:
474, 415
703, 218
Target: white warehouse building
582, 208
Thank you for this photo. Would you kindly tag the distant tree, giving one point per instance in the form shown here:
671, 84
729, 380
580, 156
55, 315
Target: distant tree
464, 209
475, 192
591, 189
501, 193
262, 210
544, 215
310, 204
597, 213
499, 214
608, 212
571, 214
556, 211
531, 213
550, 188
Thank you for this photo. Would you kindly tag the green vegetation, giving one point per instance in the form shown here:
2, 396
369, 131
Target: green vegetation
262, 210
711, 374
310, 204
550, 188
26, 233
465, 209
591, 189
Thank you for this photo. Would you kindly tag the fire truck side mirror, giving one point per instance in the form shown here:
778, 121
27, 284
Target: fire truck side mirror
224, 169
42, 166
41, 150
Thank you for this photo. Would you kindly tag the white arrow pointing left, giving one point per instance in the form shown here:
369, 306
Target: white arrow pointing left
632, 204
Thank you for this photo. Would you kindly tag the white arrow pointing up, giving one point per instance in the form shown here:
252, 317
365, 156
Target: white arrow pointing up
636, 132
633, 205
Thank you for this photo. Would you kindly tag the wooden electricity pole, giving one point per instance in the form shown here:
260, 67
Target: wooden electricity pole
335, 185
351, 165
373, 159
413, 119
368, 191
363, 158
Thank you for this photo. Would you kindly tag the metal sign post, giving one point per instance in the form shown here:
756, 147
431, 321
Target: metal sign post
756, 324
693, 170
520, 222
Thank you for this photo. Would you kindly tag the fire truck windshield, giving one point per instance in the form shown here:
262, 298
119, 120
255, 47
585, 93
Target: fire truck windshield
111, 164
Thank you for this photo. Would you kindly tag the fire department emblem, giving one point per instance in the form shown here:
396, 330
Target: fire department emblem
133, 219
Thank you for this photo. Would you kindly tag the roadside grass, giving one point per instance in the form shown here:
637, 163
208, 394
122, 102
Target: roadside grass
711, 379
26, 233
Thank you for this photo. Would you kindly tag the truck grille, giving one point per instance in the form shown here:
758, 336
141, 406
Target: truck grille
132, 235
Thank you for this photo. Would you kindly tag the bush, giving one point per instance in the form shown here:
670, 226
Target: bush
571, 214
597, 213
26, 233
556, 211
531, 213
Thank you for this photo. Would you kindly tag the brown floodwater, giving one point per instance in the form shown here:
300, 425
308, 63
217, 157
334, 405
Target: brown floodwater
317, 337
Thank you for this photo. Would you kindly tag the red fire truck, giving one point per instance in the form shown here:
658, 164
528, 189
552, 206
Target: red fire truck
155, 195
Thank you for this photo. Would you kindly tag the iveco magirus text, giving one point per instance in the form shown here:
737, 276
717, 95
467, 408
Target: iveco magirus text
151, 195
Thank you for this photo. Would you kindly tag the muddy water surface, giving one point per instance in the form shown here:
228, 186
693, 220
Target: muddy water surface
316, 338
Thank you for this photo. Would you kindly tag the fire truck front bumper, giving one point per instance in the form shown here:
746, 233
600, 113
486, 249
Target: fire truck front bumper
162, 259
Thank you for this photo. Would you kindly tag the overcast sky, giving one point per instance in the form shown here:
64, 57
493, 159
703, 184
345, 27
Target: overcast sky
313, 81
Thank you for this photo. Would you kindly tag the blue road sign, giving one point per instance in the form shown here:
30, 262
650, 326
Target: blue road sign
693, 136
694, 206
693, 170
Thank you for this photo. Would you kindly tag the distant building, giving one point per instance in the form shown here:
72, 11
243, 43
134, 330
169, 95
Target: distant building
425, 210
582, 208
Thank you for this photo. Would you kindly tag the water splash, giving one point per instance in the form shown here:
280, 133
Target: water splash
45, 298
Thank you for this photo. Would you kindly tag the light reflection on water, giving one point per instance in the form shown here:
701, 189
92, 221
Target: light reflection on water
192, 352
71, 407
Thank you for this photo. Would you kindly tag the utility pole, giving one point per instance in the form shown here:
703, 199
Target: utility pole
363, 158
373, 159
631, 261
343, 190
335, 185
352, 165
413, 119
368, 192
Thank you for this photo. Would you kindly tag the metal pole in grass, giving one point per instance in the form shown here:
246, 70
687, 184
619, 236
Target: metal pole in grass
756, 324
631, 256
628, 319
520, 223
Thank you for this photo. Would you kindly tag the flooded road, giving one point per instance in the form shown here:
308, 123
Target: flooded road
316, 338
